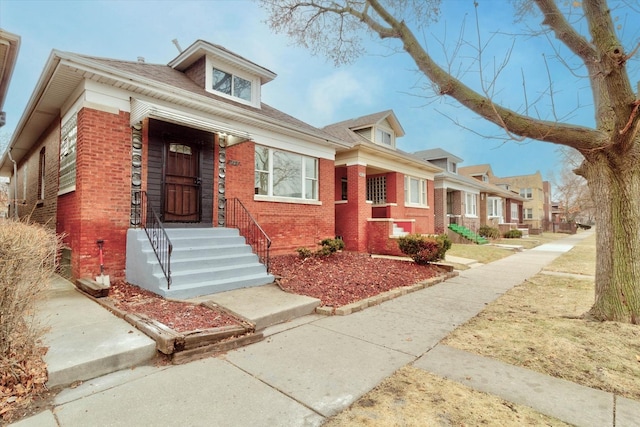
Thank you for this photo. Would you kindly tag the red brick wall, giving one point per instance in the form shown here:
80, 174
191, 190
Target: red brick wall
378, 241
289, 225
440, 210
99, 208
351, 217
197, 72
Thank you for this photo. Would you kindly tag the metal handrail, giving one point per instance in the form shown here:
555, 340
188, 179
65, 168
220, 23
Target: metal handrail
148, 218
239, 217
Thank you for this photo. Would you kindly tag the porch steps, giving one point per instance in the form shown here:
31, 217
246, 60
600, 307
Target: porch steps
204, 261
468, 234
399, 231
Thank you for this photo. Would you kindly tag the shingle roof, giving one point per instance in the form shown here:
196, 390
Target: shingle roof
475, 169
436, 153
167, 75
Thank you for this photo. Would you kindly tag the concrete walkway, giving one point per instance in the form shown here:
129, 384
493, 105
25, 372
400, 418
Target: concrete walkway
314, 367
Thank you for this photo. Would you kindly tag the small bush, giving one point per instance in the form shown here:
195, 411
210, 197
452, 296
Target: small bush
332, 245
304, 253
489, 232
424, 250
444, 244
513, 234
327, 247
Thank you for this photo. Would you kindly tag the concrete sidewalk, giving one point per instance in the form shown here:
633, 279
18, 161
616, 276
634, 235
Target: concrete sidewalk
314, 367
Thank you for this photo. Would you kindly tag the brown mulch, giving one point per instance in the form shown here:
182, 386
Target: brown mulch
346, 277
177, 315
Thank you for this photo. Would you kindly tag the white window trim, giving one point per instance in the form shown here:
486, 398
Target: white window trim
255, 82
424, 197
392, 136
282, 199
491, 201
474, 212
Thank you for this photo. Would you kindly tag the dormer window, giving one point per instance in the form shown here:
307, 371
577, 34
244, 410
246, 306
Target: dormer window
453, 167
384, 137
232, 85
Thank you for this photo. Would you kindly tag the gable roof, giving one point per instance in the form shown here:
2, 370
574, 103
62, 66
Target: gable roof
368, 121
65, 71
200, 48
437, 153
475, 170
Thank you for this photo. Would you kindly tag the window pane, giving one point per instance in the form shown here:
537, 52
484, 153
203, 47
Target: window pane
261, 179
423, 192
241, 88
221, 81
261, 183
415, 191
311, 167
311, 189
262, 158
287, 174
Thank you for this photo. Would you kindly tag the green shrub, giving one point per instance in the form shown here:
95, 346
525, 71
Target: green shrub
513, 234
424, 250
489, 232
444, 244
304, 253
327, 247
333, 245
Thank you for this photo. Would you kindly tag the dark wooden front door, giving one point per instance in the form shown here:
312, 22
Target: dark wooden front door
182, 183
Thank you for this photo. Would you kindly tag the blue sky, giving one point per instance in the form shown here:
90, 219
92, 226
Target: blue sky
311, 88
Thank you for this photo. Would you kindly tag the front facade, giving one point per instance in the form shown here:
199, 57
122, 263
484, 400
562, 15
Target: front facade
537, 198
101, 138
469, 199
380, 191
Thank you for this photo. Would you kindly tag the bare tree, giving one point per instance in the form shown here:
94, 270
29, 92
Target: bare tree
571, 190
587, 33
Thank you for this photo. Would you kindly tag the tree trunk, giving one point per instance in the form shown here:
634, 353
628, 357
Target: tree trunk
614, 182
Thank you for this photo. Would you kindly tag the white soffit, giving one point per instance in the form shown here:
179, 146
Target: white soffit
143, 109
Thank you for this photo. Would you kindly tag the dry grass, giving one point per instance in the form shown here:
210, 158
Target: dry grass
537, 325
481, 253
27, 261
413, 397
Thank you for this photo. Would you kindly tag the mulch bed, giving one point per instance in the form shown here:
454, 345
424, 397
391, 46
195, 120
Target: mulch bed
346, 277
177, 315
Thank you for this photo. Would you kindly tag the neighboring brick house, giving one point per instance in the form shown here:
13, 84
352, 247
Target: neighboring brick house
101, 136
537, 195
380, 191
465, 195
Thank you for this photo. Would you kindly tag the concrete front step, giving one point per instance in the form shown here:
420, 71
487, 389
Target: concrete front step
209, 287
264, 306
203, 261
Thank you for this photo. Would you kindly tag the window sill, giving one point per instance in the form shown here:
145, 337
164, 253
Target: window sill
470, 216
409, 205
39, 203
260, 198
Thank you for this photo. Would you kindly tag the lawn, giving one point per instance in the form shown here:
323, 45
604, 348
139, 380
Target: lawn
536, 325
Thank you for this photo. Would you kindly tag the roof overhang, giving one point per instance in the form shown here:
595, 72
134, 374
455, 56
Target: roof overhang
64, 72
144, 109
201, 48
9, 47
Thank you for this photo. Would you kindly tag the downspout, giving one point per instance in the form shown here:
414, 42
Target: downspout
15, 184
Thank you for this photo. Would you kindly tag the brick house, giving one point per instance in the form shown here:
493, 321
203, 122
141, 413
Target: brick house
465, 195
106, 146
381, 192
